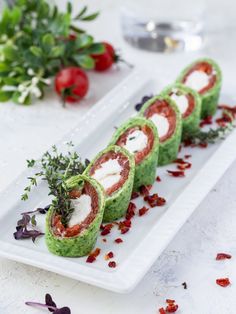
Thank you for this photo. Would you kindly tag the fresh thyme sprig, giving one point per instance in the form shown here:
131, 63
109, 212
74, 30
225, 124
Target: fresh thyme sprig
56, 168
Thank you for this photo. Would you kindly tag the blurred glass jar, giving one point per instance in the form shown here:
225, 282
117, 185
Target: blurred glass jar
164, 25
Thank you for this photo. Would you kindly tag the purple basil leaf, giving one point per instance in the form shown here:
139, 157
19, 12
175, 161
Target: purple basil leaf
142, 102
49, 301
24, 220
33, 221
63, 310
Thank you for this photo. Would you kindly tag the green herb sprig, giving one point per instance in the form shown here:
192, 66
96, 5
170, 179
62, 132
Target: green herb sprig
36, 40
56, 168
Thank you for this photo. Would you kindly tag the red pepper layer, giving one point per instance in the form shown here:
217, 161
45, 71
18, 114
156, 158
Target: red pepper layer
206, 68
163, 108
139, 156
191, 103
124, 163
60, 230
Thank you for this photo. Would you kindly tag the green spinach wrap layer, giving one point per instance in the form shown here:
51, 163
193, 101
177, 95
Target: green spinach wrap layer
210, 94
82, 243
144, 133
192, 115
119, 193
164, 106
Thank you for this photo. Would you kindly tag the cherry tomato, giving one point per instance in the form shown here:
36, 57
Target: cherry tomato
71, 84
105, 60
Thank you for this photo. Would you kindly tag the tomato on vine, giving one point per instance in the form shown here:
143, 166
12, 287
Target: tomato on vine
71, 84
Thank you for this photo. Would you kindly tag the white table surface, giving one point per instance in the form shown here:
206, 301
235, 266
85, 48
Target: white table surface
28, 131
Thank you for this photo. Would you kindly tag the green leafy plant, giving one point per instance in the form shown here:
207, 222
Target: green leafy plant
36, 41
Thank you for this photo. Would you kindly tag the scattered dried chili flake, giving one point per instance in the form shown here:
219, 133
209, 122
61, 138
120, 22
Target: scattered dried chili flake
186, 165
176, 173
169, 301
118, 240
145, 189
130, 211
134, 195
203, 145
224, 119
104, 240
162, 310
189, 143
231, 109
221, 256
187, 156
223, 282
106, 229
109, 255
180, 148
90, 259
142, 211
184, 285
172, 308
158, 179
124, 230
112, 264
206, 121
154, 200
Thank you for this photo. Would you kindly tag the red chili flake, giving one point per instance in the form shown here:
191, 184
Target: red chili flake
112, 264
124, 226
134, 195
176, 173
154, 200
180, 148
109, 255
145, 189
162, 310
224, 120
223, 282
118, 240
130, 211
158, 179
187, 156
169, 301
231, 109
206, 121
90, 259
172, 308
185, 166
203, 145
106, 229
142, 211
188, 143
124, 230
104, 240
96, 252
221, 256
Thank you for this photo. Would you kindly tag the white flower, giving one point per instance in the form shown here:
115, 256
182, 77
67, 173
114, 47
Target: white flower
21, 88
36, 91
46, 81
35, 80
23, 96
30, 72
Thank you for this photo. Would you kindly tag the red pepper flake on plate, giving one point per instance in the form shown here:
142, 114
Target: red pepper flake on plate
109, 255
106, 229
176, 173
224, 119
223, 282
203, 145
142, 211
145, 189
231, 109
118, 240
112, 264
206, 121
158, 179
154, 200
222, 256
162, 310
182, 164
187, 156
130, 211
172, 308
134, 195
104, 240
93, 255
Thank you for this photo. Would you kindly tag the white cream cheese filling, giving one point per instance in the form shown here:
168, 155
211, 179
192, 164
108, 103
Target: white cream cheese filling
197, 80
161, 123
108, 174
136, 141
82, 207
181, 101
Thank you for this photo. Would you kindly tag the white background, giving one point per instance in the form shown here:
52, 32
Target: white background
27, 131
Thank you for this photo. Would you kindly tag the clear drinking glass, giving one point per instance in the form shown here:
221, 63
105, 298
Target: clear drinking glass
164, 25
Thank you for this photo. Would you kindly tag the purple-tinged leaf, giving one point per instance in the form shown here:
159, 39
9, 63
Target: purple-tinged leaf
49, 301
63, 310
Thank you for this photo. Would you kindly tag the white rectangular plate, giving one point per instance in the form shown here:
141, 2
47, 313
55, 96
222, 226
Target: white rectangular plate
151, 233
